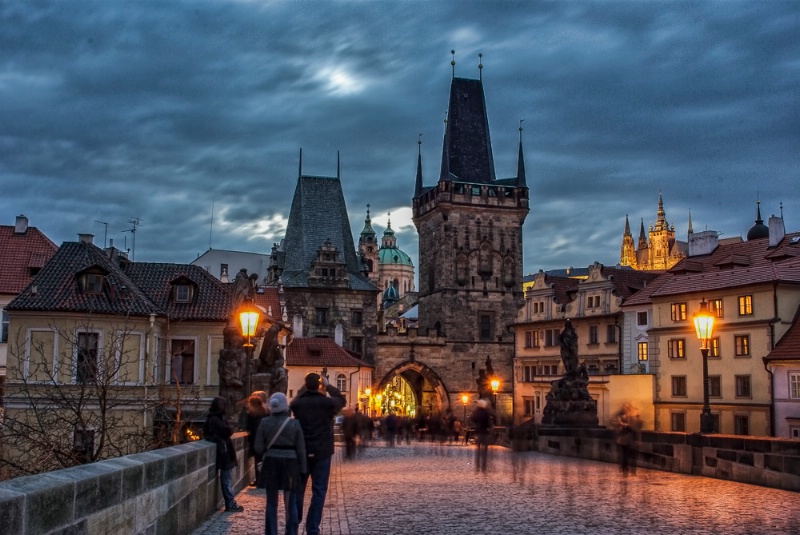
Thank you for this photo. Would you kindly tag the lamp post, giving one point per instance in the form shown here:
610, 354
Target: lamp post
248, 317
704, 326
495, 385
464, 400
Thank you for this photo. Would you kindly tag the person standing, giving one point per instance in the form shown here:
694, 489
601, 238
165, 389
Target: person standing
315, 407
482, 419
256, 410
280, 445
218, 430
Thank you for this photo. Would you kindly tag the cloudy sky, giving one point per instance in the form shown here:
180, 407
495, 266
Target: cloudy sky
167, 111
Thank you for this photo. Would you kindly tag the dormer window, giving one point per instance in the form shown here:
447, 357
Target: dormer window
93, 283
183, 293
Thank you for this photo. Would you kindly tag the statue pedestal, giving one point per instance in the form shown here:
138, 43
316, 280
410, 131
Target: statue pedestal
260, 381
569, 404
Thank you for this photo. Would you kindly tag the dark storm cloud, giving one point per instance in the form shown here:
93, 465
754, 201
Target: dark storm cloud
167, 111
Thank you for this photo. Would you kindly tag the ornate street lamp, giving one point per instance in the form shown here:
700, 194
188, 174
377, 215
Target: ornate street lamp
464, 400
495, 385
248, 317
704, 326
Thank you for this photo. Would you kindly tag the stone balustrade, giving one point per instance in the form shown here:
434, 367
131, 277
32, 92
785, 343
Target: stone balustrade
171, 490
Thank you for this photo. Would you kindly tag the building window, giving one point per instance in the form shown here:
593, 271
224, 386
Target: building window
86, 370
593, 334
741, 424
183, 293
742, 386
642, 350
357, 344
678, 311
182, 352
528, 407
679, 386
550, 337
641, 318
93, 283
83, 444
745, 305
538, 401
714, 386
742, 343
4, 327
713, 348
678, 422
677, 348
358, 317
321, 316
485, 327
528, 374
529, 338
611, 334
715, 306
794, 385
223, 270
341, 382
593, 301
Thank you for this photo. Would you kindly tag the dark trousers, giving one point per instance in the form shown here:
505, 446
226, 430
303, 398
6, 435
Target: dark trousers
319, 470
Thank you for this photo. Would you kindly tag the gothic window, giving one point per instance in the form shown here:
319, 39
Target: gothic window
462, 269
321, 316
508, 272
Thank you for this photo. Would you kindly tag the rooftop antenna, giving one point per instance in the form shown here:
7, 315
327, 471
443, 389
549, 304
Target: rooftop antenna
453, 62
781, 205
105, 233
520, 129
480, 66
135, 222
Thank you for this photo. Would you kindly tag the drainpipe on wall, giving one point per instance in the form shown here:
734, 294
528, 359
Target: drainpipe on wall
775, 319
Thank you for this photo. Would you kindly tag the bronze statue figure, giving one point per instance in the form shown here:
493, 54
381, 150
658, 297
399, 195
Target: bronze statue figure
569, 348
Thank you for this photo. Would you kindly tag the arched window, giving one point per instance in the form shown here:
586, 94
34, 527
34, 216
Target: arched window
341, 382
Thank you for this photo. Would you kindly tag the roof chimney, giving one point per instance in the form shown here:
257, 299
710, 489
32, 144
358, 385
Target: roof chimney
777, 230
703, 243
86, 238
21, 226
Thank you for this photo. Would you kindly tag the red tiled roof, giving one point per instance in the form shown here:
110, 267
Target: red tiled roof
320, 352
788, 347
19, 253
269, 299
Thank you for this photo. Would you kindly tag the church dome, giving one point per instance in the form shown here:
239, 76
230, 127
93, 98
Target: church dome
394, 256
759, 230
390, 294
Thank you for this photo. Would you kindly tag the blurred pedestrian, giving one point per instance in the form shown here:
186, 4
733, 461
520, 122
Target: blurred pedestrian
256, 410
482, 419
280, 445
217, 429
627, 435
392, 424
350, 431
315, 407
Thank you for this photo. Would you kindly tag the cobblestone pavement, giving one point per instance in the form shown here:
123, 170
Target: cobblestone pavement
425, 489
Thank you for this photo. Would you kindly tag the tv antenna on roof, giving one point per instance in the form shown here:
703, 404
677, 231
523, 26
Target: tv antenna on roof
135, 222
105, 233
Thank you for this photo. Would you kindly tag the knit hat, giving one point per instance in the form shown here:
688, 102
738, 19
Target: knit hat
278, 403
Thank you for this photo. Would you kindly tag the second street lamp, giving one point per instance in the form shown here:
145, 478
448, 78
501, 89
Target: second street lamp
464, 400
704, 326
248, 316
495, 385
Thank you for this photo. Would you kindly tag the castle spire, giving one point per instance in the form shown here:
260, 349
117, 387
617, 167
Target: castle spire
642, 237
627, 227
690, 223
418, 186
521, 180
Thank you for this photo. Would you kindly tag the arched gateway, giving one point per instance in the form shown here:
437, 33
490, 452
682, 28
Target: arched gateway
411, 389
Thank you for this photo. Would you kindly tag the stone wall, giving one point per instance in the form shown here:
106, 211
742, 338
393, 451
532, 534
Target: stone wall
171, 491
765, 461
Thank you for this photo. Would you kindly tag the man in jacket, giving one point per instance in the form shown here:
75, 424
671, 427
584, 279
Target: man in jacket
218, 430
315, 408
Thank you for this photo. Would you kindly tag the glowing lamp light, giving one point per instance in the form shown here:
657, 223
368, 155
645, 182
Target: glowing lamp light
495, 385
703, 324
464, 399
249, 319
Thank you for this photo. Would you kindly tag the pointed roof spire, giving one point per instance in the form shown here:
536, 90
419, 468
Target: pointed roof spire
690, 223
368, 230
300, 170
642, 236
453, 62
480, 66
445, 172
627, 227
418, 187
338, 166
521, 180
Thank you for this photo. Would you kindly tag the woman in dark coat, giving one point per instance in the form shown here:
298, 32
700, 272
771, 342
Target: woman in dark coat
282, 448
256, 410
218, 430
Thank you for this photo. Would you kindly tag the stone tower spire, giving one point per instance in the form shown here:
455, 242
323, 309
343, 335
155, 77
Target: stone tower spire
627, 256
642, 237
368, 249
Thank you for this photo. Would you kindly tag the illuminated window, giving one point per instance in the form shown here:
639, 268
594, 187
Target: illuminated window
715, 307
794, 385
742, 343
642, 350
678, 311
745, 305
713, 348
677, 348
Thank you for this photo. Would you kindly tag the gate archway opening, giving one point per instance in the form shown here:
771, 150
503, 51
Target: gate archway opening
411, 389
